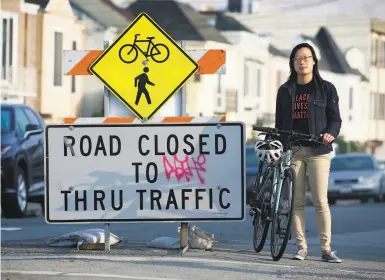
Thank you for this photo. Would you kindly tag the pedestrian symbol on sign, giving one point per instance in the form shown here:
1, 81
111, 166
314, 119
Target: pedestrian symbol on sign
143, 81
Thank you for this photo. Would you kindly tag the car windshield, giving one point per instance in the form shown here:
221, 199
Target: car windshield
6, 120
351, 163
251, 158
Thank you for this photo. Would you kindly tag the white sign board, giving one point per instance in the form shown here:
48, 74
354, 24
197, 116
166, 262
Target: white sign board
145, 172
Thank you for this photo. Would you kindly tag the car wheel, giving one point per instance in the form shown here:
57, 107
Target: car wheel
15, 205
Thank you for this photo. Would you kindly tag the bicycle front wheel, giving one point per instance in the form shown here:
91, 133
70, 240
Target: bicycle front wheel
261, 208
281, 223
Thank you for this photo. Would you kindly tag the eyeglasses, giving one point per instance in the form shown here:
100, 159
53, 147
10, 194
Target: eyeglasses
305, 58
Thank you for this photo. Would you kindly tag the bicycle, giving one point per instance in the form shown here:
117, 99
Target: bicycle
270, 188
156, 49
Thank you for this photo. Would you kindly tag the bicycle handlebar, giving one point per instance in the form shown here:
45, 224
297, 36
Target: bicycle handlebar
293, 134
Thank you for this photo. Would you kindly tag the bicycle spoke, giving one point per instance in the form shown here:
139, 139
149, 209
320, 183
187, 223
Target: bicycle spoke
159, 53
155, 51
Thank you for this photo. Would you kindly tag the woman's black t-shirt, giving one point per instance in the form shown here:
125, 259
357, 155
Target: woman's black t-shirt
300, 116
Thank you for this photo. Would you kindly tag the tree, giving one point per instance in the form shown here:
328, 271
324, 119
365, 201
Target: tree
349, 146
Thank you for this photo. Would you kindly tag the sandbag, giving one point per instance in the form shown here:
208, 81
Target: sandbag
164, 242
83, 239
200, 239
197, 239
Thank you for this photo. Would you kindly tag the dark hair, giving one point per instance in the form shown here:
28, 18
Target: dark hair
293, 75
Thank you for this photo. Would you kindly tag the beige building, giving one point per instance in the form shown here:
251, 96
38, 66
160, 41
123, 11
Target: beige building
36, 33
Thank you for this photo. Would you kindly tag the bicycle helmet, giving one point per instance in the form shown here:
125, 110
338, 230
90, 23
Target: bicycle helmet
269, 151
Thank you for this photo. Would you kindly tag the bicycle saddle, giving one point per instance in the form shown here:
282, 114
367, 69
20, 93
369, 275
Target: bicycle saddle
150, 37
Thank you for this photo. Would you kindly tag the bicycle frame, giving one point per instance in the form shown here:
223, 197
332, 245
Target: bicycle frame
150, 44
279, 174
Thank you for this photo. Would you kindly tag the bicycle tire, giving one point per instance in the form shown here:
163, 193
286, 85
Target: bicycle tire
155, 47
265, 214
132, 47
290, 172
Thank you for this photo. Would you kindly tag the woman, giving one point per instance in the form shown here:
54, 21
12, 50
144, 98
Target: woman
308, 104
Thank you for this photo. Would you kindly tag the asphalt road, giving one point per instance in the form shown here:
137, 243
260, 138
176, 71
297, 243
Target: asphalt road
358, 237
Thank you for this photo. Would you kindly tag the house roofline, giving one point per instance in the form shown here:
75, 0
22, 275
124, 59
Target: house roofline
124, 12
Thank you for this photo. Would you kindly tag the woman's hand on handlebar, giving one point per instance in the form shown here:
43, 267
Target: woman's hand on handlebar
327, 138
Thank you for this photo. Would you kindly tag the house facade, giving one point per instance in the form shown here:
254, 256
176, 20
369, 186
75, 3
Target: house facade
245, 82
103, 22
36, 34
248, 75
19, 64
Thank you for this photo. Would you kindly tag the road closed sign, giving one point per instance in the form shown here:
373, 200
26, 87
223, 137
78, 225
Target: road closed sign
145, 172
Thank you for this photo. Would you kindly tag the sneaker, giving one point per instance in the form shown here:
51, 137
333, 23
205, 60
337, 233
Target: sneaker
331, 257
300, 255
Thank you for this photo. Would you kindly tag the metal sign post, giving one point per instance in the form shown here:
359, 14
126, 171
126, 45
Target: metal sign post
182, 108
106, 92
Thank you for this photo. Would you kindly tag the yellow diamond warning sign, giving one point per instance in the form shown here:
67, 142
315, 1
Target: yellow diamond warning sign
144, 67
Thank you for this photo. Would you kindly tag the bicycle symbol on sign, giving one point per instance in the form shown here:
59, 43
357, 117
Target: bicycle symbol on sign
128, 53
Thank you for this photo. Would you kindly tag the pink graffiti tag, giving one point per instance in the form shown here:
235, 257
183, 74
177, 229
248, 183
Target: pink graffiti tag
182, 169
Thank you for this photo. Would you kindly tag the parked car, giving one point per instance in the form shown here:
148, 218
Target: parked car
22, 159
356, 176
252, 165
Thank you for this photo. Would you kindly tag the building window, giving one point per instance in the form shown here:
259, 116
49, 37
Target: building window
220, 96
278, 80
378, 52
231, 101
246, 80
73, 81
372, 110
252, 79
258, 78
219, 87
351, 98
373, 51
383, 54
377, 106
8, 49
4, 64
58, 53
219, 102
381, 113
